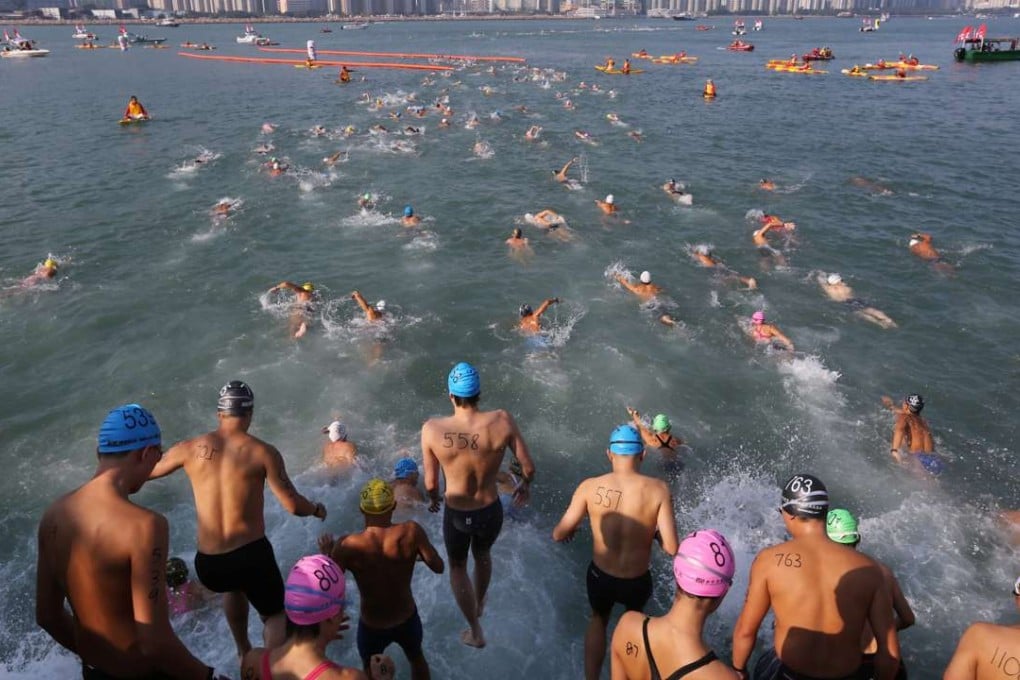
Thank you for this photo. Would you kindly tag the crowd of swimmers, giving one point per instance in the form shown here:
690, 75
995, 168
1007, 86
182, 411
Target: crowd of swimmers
107, 586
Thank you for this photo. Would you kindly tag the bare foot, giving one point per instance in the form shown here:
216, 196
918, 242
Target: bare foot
471, 640
302, 329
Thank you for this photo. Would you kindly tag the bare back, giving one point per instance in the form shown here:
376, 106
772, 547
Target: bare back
86, 543
839, 292
624, 511
821, 592
228, 475
986, 652
469, 446
916, 433
382, 562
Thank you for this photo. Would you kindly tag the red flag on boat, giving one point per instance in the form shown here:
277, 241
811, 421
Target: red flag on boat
964, 35
981, 32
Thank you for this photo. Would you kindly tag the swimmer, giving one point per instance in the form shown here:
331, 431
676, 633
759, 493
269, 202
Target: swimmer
223, 208
303, 308
837, 290
548, 219
507, 483
409, 219
444, 123
268, 128
365, 202
44, 272
264, 149
561, 175
405, 483
762, 332
673, 188
658, 435
645, 289
766, 184
978, 655
411, 130
567, 104
531, 320
765, 249
703, 571
516, 240
635, 135
469, 447
533, 133
314, 596
628, 512
841, 527
344, 76
586, 137
920, 245
183, 595
704, 256
608, 206
372, 312
276, 167
824, 597
339, 452
777, 222
911, 430
382, 558
318, 131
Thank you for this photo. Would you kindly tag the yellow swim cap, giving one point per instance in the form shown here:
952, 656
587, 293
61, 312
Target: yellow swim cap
308, 286
50, 263
376, 497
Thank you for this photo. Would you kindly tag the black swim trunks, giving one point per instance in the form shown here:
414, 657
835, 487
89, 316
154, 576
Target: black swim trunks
770, 667
408, 635
604, 591
474, 529
93, 673
250, 569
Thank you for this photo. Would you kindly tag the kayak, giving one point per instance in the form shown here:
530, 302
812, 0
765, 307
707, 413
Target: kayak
914, 67
638, 55
796, 69
746, 47
617, 72
132, 121
854, 74
307, 66
891, 78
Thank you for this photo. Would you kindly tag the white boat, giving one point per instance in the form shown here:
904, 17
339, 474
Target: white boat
354, 26
81, 34
738, 28
758, 25
22, 53
250, 37
168, 22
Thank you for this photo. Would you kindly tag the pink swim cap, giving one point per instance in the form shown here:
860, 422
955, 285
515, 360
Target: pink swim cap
758, 316
704, 564
315, 590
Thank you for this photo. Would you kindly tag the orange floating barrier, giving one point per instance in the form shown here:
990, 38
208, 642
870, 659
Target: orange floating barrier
318, 62
399, 55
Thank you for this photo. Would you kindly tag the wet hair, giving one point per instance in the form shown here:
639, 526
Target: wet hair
467, 401
301, 632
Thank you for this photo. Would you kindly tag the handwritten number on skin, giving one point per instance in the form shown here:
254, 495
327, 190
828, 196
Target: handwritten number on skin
460, 440
608, 498
632, 649
788, 560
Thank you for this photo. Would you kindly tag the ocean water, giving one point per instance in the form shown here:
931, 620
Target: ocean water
158, 302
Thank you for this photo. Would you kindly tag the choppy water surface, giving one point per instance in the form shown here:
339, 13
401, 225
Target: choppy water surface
159, 302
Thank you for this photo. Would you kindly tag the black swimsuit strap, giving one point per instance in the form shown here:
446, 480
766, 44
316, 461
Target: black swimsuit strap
648, 651
693, 666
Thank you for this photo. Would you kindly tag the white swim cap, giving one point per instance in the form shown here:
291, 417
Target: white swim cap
702, 250
336, 431
914, 241
381, 305
834, 279
610, 199
646, 277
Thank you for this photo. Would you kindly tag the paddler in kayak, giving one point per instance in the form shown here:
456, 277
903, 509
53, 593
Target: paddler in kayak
344, 76
709, 91
625, 70
642, 53
610, 64
135, 110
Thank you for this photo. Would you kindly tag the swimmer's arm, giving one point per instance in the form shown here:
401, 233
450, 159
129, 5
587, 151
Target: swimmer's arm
776, 333
171, 461
901, 607
360, 299
281, 486
545, 214
635, 417
578, 508
431, 467
627, 284
756, 605
963, 665
519, 448
545, 305
427, 551
665, 525
899, 434
286, 285
50, 612
880, 617
156, 639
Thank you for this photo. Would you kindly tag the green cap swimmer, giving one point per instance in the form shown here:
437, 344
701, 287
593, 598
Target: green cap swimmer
661, 424
842, 527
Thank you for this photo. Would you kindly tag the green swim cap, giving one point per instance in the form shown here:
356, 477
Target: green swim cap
661, 424
842, 527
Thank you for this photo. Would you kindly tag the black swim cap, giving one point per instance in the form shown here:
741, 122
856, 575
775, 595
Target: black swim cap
176, 572
525, 310
236, 399
805, 496
915, 403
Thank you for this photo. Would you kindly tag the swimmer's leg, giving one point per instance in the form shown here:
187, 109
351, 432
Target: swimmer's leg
595, 646
274, 631
235, 606
876, 316
464, 594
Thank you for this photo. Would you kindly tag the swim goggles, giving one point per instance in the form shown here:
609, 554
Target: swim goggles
1016, 587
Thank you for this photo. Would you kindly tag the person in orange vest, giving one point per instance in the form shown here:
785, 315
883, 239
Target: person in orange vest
345, 75
135, 110
709, 92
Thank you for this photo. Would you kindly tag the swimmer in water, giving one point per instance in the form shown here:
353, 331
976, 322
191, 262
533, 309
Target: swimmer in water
365, 202
977, 655
516, 240
276, 167
405, 483
372, 312
549, 219
561, 175
841, 527
673, 188
409, 219
303, 308
920, 245
910, 430
818, 590
644, 289
837, 290
765, 249
704, 256
657, 436
762, 332
533, 133
335, 158
223, 208
766, 184
638, 512
44, 272
183, 595
531, 320
339, 452
777, 222
703, 571
608, 206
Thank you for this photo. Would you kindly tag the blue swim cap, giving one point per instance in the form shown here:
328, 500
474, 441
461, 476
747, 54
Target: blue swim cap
625, 441
463, 381
408, 211
404, 468
127, 428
